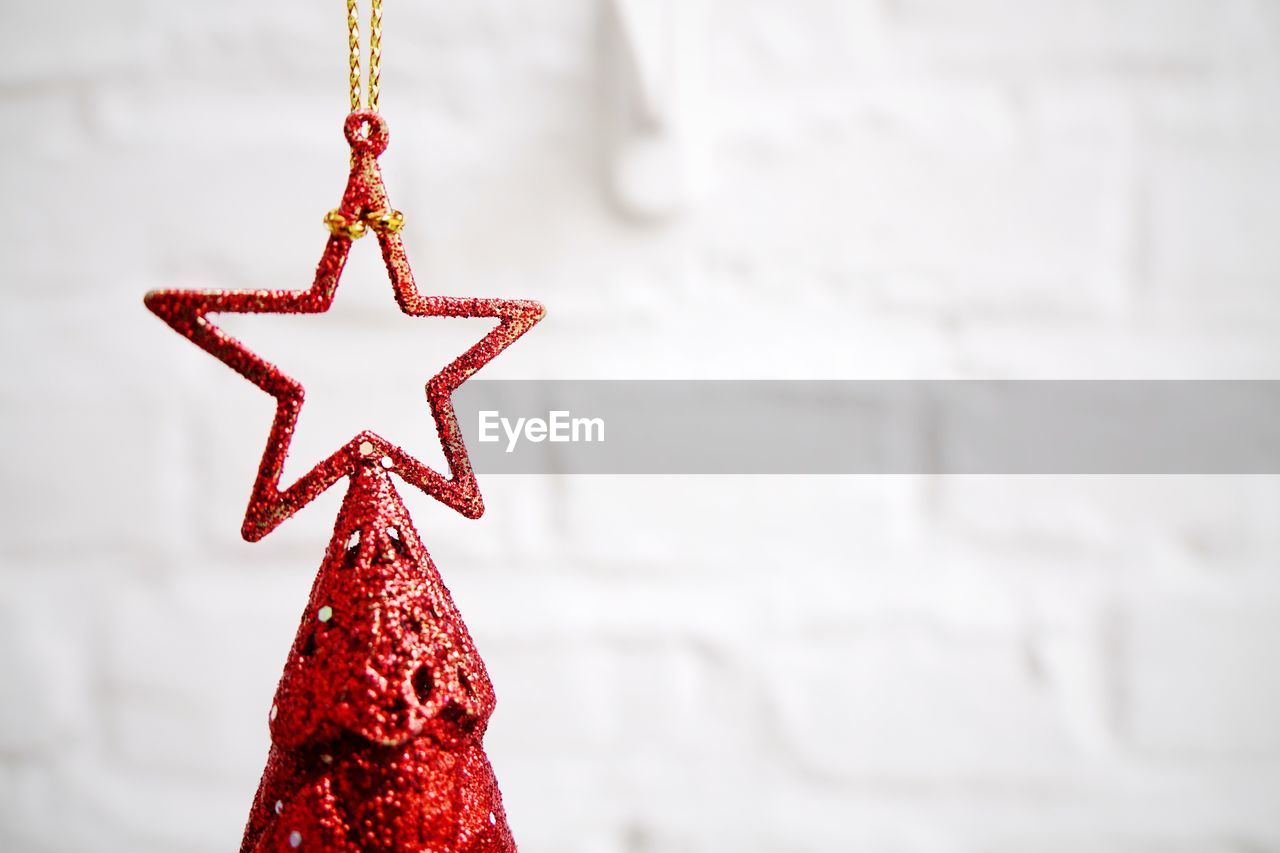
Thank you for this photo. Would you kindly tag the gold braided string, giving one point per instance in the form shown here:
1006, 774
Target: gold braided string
385, 223
353, 48
375, 53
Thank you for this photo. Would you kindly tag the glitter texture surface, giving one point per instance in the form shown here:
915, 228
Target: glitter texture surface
187, 311
378, 721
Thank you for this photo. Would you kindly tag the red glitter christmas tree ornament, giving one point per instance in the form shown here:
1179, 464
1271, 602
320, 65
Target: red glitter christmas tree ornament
378, 721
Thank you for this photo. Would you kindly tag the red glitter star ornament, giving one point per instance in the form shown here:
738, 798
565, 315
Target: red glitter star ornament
364, 208
377, 726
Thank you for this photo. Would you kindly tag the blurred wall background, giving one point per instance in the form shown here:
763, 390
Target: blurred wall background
885, 189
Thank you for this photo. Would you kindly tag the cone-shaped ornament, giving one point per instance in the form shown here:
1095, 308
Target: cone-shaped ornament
378, 721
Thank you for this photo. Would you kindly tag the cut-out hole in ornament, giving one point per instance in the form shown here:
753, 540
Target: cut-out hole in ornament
388, 463
397, 706
422, 683
458, 715
397, 543
352, 552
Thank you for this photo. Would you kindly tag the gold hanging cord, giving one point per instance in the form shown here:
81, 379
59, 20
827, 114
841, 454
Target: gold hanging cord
375, 53
352, 225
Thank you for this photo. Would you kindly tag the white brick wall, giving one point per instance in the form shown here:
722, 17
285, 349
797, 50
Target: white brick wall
894, 188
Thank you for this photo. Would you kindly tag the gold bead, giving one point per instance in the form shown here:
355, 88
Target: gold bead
336, 222
385, 221
340, 226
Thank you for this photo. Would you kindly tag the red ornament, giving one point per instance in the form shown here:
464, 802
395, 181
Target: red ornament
378, 720
379, 716
364, 205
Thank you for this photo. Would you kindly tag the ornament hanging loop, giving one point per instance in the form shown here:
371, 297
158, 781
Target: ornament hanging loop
366, 131
364, 206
